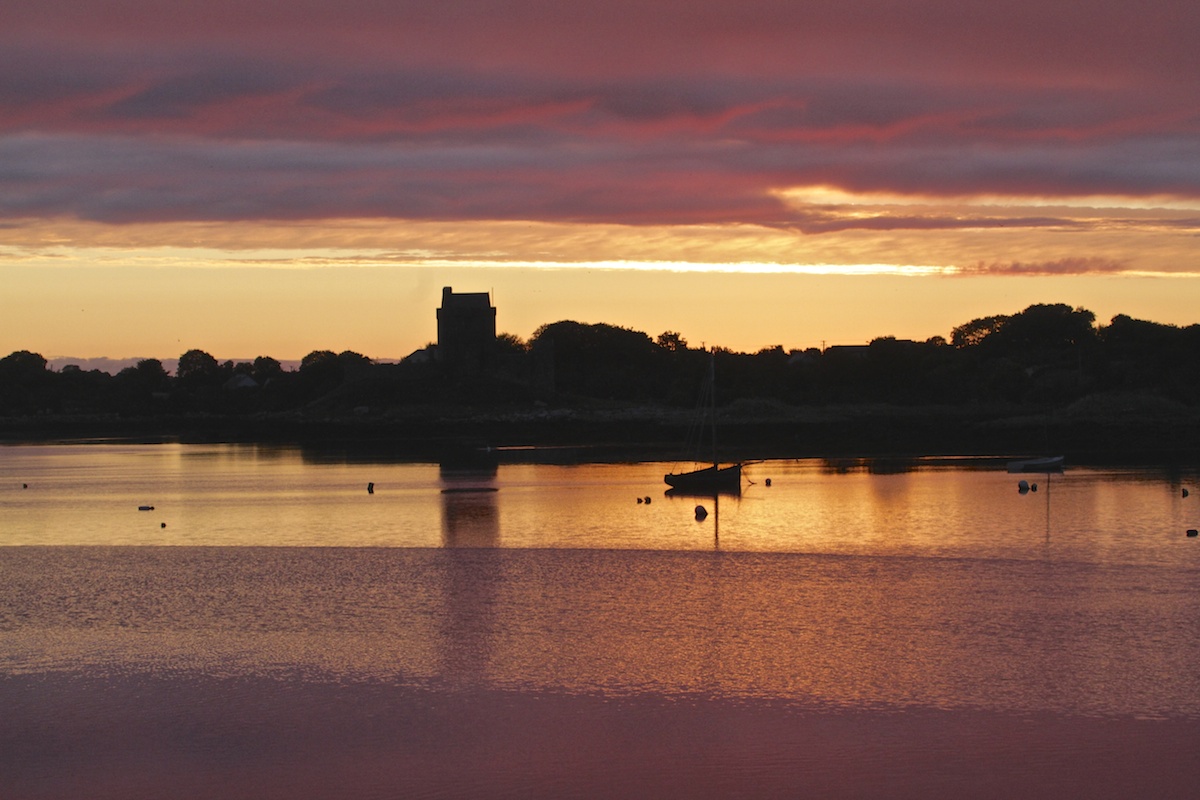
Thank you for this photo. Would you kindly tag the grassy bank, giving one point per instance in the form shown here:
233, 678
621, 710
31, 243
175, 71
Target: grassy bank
1115, 429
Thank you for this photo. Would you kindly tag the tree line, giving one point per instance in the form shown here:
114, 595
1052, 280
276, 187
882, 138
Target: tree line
1043, 355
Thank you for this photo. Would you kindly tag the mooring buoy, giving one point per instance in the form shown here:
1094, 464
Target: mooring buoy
1193, 532
370, 488
701, 512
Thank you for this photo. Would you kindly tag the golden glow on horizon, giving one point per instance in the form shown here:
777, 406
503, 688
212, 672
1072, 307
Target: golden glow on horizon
1130, 243
388, 313
284, 289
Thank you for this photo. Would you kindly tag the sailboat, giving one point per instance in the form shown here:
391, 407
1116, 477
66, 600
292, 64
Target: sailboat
708, 480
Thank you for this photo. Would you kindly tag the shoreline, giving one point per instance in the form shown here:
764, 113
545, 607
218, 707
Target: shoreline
1114, 434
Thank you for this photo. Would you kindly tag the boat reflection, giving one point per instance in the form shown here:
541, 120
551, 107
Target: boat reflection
899, 465
708, 493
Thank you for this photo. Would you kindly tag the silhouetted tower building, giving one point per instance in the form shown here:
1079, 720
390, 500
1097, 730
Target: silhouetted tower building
466, 331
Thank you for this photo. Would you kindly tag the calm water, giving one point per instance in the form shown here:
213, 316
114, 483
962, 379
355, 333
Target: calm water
271, 629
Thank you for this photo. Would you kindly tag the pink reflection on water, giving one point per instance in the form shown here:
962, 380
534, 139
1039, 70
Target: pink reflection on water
136, 738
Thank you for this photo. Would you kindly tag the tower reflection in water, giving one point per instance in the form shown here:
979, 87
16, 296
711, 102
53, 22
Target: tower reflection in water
470, 515
470, 570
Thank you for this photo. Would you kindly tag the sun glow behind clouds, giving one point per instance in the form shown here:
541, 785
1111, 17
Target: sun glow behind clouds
363, 244
849, 240
860, 235
745, 267
373, 243
825, 209
324, 258
834, 196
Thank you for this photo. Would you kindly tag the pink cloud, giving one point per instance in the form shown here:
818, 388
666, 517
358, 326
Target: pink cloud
619, 111
1030, 38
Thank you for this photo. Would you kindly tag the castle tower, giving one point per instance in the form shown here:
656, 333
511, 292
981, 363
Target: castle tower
466, 325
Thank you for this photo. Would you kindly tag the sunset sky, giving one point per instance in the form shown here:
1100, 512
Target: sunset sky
270, 178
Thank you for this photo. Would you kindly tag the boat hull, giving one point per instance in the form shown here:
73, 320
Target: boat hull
1045, 464
707, 480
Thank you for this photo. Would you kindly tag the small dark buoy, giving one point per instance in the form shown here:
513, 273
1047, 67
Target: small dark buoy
701, 512
162, 524
1193, 532
145, 508
768, 481
640, 501
1023, 486
647, 501
26, 486
1033, 487
1185, 492
370, 488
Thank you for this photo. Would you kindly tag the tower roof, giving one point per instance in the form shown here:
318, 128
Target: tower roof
465, 300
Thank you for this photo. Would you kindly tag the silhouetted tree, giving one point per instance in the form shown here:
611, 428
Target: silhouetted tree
1126, 337
1138, 354
265, 368
22, 366
671, 340
135, 388
762, 375
895, 369
150, 374
972, 333
1046, 329
322, 371
23, 382
198, 368
509, 343
198, 381
602, 360
318, 359
352, 361
80, 391
1037, 354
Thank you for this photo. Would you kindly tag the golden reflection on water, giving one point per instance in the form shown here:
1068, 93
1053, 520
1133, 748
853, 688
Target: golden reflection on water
231, 495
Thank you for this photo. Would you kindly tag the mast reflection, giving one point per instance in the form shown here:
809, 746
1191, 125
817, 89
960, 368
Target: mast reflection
702, 509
